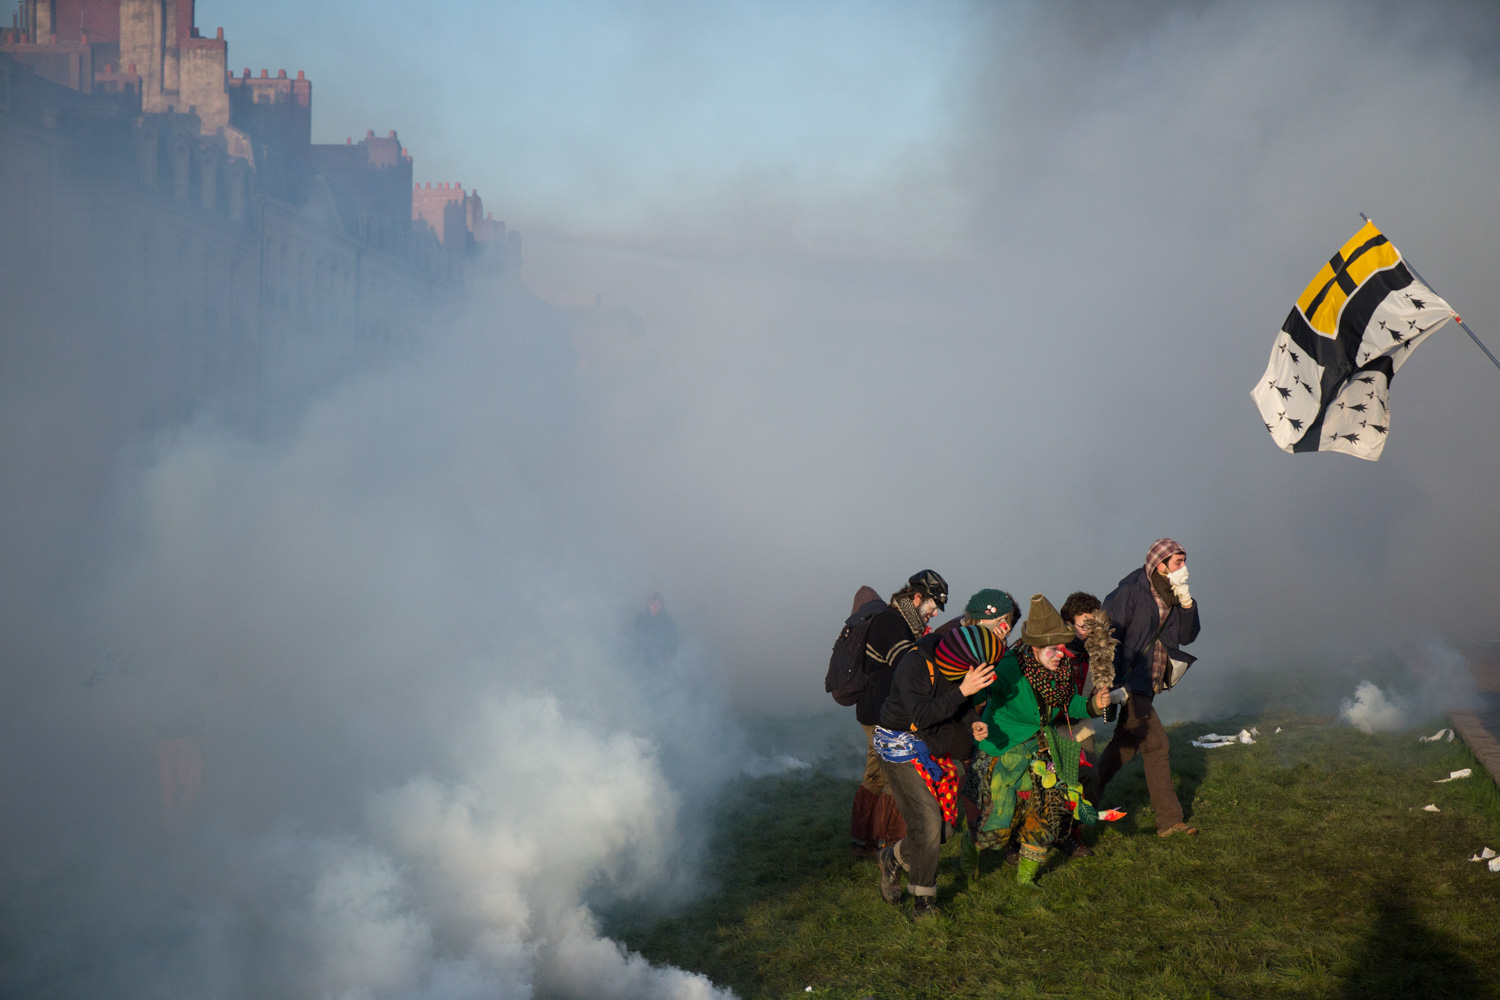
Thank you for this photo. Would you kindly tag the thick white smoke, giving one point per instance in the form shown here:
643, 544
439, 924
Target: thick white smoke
424, 741
1437, 679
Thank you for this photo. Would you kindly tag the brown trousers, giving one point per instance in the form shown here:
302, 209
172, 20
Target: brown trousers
1140, 731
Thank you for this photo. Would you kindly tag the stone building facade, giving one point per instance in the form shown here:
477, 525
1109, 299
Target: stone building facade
172, 238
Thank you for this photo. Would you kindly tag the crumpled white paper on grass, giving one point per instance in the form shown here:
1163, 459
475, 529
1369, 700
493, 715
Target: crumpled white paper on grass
1441, 734
1485, 855
1210, 741
1452, 775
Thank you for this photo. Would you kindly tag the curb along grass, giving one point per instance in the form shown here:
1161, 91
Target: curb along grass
1317, 874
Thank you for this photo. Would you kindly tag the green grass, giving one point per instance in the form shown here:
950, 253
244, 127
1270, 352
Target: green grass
1317, 874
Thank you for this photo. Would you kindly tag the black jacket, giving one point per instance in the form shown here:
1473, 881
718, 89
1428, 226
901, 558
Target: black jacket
922, 698
1133, 609
888, 635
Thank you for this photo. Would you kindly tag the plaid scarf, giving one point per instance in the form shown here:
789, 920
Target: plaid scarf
911, 616
1161, 550
1053, 688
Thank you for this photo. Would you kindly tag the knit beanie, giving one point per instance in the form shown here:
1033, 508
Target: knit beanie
989, 603
965, 647
1044, 626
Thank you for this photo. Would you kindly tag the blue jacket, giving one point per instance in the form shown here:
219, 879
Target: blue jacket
1132, 608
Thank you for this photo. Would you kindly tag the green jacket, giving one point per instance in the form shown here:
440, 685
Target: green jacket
1012, 712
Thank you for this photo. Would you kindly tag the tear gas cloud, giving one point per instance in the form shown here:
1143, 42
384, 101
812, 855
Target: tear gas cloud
1015, 346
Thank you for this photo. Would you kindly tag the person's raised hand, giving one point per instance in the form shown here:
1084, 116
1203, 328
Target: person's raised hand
978, 678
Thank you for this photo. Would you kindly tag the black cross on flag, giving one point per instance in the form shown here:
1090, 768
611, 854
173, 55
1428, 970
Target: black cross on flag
1327, 387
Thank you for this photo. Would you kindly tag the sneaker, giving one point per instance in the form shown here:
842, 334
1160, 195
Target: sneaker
925, 906
890, 876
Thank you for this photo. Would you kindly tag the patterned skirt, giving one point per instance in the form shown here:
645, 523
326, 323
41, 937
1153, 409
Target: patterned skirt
1041, 815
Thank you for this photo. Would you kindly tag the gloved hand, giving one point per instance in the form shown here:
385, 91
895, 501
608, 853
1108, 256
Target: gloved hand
1118, 696
1178, 579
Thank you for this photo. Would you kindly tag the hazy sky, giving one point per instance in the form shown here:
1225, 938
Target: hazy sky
596, 115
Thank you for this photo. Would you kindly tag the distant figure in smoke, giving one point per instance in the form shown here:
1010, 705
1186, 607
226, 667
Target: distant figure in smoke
1154, 616
181, 762
875, 820
928, 714
654, 634
1026, 768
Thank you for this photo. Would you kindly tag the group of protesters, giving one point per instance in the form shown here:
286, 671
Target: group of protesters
974, 725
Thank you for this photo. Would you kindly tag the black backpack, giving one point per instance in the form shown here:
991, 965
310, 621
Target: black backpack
846, 665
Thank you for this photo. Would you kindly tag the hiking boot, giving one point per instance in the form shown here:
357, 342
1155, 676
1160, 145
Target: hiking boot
890, 876
863, 849
1177, 828
968, 856
925, 906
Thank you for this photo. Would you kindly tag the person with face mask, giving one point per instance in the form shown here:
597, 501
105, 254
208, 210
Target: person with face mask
1025, 775
1154, 615
874, 820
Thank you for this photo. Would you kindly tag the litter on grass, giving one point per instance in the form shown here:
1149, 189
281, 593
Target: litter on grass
1495, 864
1430, 808
1210, 741
1278, 729
1454, 774
1483, 855
1441, 734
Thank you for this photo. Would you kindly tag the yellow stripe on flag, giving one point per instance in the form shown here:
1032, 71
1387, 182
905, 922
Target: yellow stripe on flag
1323, 300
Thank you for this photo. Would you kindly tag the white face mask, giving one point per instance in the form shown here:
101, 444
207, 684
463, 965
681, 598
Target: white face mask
1178, 576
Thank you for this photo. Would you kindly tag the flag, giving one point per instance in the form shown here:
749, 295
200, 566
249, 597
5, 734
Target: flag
1327, 387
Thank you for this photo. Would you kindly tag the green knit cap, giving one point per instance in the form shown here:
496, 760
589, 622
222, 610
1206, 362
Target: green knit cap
989, 603
1044, 626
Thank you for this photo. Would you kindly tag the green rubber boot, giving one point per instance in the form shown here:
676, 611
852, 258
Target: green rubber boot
1026, 872
968, 856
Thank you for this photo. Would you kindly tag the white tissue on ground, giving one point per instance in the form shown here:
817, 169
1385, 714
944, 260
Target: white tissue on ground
1483, 855
1455, 774
1210, 741
1431, 808
1440, 734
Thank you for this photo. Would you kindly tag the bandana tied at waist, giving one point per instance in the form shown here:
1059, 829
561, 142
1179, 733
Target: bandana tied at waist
939, 772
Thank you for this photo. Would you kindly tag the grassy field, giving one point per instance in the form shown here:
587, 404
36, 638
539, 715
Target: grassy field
1317, 874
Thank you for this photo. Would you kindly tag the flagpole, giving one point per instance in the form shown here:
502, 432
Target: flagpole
1416, 274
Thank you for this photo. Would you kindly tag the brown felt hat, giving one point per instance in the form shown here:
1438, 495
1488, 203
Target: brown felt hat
1044, 626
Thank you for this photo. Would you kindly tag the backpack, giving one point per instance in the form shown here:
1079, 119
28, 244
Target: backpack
846, 665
